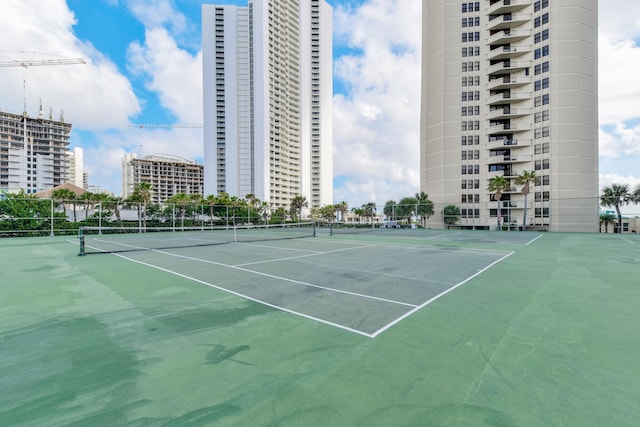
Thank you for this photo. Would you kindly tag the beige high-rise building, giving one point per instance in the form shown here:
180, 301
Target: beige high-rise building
510, 86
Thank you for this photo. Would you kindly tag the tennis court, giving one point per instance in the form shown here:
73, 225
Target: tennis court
388, 327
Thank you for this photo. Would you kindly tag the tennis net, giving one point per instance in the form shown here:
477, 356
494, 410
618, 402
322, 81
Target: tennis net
95, 240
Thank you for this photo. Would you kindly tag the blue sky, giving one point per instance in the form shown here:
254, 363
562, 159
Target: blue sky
143, 66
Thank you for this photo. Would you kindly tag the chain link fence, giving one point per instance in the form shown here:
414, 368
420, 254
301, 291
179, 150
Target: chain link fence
48, 217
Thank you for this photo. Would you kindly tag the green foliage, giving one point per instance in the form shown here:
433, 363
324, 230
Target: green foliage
451, 214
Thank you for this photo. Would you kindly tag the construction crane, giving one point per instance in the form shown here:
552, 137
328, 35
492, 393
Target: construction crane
41, 62
165, 125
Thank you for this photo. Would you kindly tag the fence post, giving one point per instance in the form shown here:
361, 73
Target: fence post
51, 233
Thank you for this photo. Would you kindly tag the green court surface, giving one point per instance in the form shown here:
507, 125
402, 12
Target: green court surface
385, 328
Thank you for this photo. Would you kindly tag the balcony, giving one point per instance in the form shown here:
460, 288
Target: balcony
496, 128
509, 143
506, 6
508, 66
509, 159
508, 82
508, 113
508, 21
506, 52
508, 36
508, 98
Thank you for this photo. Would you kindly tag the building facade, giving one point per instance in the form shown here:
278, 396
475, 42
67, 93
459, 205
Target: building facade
34, 163
168, 175
267, 72
510, 86
74, 172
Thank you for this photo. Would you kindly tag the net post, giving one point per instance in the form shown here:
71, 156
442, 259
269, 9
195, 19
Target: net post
314, 229
81, 238
330, 229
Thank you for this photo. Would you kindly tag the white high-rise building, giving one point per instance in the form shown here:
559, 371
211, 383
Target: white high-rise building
32, 152
267, 72
510, 86
75, 168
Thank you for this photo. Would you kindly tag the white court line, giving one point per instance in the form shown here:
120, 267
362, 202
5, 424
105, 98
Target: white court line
211, 285
301, 256
441, 294
530, 242
285, 279
339, 326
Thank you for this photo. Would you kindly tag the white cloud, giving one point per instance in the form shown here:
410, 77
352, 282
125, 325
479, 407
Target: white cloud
93, 96
376, 126
174, 74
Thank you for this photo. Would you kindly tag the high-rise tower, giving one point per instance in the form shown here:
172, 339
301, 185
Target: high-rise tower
267, 72
510, 86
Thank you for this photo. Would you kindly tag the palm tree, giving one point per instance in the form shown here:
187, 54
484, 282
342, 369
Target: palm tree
342, 207
369, 210
296, 206
497, 185
526, 178
210, 201
616, 195
425, 207
144, 192
635, 197
64, 194
607, 219
181, 199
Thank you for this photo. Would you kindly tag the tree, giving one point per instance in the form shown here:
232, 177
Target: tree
526, 178
406, 207
616, 195
181, 199
296, 206
143, 192
425, 207
26, 212
451, 214
369, 210
328, 213
497, 185
607, 219
88, 199
65, 195
635, 197
390, 209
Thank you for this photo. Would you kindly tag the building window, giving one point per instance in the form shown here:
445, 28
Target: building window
545, 115
545, 50
545, 34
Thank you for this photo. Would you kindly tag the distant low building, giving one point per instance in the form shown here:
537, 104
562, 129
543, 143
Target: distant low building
169, 175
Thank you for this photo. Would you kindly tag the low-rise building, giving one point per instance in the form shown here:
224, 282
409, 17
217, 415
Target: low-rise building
169, 175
